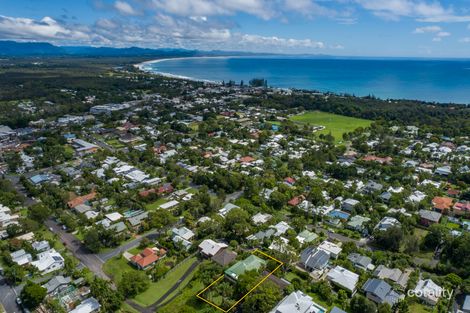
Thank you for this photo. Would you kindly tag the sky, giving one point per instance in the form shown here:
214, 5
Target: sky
377, 28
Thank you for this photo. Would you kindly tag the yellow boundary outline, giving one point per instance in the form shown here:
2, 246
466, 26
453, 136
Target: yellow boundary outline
250, 291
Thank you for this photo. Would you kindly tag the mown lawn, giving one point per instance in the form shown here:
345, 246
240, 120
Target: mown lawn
115, 143
334, 123
116, 266
419, 308
155, 205
159, 288
187, 297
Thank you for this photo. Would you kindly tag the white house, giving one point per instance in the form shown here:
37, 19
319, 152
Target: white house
298, 302
48, 261
333, 249
209, 247
428, 291
343, 278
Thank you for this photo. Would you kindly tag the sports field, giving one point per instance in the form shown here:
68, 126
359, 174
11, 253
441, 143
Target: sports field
336, 124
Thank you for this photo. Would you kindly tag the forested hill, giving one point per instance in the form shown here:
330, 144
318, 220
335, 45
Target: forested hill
22, 49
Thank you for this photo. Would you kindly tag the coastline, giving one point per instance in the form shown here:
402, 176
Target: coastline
143, 67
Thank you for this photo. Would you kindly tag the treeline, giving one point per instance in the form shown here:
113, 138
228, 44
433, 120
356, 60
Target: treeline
444, 119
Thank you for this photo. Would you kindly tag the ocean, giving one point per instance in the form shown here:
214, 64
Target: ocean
418, 79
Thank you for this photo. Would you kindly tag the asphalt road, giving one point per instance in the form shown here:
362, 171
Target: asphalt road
8, 296
105, 256
86, 257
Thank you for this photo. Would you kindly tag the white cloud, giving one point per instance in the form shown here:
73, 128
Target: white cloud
260, 8
427, 29
125, 8
436, 30
46, 28
278, 42
421, 10
465, 40
443, 34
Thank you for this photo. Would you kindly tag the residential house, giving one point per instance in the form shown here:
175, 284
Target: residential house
372, 187
314, 259
40, 246
357, 223
442, 204
250, 263
83, 147
395, 275
380, 291
443, 171
210, 248
89, 305
227, 208
343, 278
182, 235
361, 262
387, 222
20, 257
461, 208
56, 284
428, 291
224, 257
349, 204
147, 258
49, 261
261, 218
81, 200
333, 249
427, 217
298, 302
136, 220
306, 237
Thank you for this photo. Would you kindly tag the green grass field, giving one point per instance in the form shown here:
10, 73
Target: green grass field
159, 288
336, 124
155, 205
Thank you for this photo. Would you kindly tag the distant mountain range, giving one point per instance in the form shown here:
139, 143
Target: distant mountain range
22, 49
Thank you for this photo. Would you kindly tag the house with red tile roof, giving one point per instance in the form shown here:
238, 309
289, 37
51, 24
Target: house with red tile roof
246, 159
461, 208
289, 181
147, 258
442, 204
81, 200
373, 158
296, 200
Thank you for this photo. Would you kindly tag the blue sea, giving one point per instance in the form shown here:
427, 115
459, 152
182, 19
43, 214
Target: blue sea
420, 79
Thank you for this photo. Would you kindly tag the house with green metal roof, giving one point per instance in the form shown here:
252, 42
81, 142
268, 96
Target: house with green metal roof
250, 263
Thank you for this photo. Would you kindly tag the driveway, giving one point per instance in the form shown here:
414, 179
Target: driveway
152, 308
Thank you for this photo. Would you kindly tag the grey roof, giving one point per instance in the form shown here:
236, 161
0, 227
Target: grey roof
359, 260
314, 258
224, 257
261, 235
377, 287
40, 245
118, 227
56, 282
386, 196
136, 220
430, 215
371, 185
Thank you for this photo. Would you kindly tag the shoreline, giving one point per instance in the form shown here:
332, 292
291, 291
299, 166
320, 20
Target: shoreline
142, 66
146, 67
